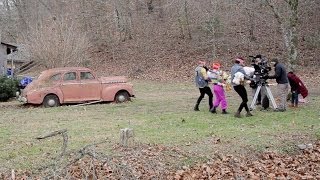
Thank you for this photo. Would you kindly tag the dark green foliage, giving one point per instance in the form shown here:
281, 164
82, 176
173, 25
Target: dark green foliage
8, 88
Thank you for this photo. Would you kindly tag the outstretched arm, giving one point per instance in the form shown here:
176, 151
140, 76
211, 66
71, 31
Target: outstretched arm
276, 75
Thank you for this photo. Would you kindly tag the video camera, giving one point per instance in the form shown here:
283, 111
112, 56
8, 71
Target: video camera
261, 68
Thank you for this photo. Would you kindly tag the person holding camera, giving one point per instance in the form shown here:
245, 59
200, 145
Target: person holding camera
254, 84
201, 79
283, 83
237, 68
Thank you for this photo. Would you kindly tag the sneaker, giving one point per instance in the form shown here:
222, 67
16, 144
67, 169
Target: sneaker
279, 110
237, 115
282, 110
248, 114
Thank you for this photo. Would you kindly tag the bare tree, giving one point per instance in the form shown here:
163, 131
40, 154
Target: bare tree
288, 23
50, 31
152, 33
58, 44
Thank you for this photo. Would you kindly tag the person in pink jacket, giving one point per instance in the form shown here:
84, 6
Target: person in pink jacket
218, 78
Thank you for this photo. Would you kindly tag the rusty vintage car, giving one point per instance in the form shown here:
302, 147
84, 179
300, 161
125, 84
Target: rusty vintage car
75, 85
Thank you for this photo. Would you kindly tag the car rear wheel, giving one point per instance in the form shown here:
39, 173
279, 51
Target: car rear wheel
122, 96
51, 101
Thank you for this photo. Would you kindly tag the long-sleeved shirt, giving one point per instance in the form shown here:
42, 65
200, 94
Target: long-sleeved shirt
280, 74
297, 85
237, 68
217, 76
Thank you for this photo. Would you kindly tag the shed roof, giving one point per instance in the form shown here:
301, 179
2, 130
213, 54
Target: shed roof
21, 54
11, 45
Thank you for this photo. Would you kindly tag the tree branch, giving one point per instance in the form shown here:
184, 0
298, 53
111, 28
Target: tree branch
275, 12
64, 134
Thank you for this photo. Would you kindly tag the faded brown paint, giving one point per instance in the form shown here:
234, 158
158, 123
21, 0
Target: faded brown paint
85, 86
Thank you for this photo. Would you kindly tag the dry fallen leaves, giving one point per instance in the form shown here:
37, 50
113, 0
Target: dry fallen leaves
149, 162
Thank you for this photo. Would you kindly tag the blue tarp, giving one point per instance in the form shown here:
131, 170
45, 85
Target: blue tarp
9, 72
25, 81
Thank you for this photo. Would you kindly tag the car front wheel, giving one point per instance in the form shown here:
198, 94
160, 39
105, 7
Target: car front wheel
122, 96
51, 101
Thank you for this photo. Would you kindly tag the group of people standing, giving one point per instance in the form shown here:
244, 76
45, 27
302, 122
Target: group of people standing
214, 76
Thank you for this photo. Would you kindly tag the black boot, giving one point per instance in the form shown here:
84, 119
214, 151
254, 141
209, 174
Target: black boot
196, 107
224, 111
213, 110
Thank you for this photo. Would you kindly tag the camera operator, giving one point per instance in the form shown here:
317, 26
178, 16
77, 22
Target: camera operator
254, 84
283, 83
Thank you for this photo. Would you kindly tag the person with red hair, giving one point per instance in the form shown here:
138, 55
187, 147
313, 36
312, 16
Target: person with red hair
218, 78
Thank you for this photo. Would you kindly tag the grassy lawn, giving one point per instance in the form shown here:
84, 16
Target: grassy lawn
161, 113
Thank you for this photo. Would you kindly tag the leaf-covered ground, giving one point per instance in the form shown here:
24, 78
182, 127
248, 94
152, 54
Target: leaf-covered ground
160, 162
153, 162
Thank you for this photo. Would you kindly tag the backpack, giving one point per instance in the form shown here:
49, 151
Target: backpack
200, 81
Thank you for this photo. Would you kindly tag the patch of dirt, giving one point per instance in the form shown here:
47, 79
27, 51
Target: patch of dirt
14, 104
160, 162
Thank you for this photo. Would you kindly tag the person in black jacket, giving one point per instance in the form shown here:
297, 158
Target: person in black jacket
283, 83
253, 84
201, 80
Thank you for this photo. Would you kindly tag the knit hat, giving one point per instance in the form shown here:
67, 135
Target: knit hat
201, 62
216, 66
240, 60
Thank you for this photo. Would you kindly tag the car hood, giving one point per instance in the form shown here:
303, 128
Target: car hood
113, 79
31, 86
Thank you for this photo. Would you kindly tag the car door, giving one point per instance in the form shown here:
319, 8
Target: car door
70, 87
90, 86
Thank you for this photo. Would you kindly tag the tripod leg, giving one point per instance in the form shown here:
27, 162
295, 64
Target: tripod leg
270, 96
255, 97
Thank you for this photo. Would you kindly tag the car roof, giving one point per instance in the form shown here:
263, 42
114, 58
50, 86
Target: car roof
63, 69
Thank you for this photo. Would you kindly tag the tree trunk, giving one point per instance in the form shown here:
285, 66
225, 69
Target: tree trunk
289, 29
187, 19
293, 48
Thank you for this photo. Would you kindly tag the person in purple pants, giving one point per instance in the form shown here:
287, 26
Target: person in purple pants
218, 78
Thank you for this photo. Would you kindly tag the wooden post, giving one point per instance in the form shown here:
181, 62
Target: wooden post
126, 136
1, 57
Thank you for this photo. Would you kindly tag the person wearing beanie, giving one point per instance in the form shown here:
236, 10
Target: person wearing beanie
239, 88
201, 79
283, 83
218, 78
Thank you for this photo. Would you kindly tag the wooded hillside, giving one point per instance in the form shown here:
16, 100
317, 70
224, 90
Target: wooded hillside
161, 39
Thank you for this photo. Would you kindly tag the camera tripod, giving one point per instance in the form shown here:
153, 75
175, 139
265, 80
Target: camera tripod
269, 95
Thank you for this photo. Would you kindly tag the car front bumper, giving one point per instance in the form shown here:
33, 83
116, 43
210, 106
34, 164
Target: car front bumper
22, 99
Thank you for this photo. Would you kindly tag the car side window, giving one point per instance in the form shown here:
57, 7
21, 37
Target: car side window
55, 77
86, 75
70, 76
